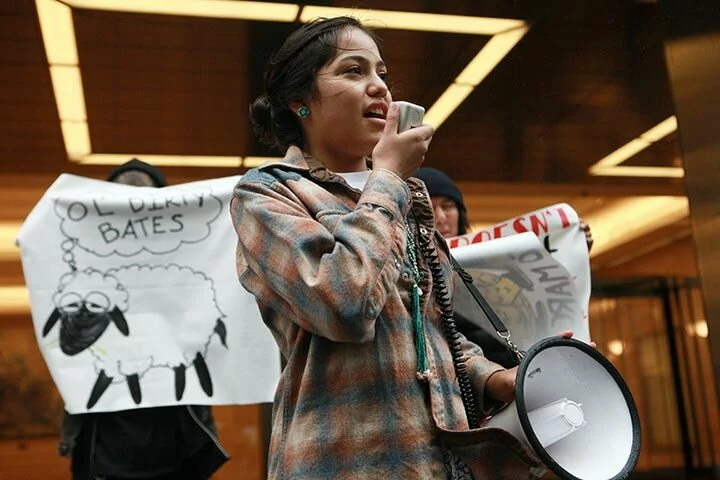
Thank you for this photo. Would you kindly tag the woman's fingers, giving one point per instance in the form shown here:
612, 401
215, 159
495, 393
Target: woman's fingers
569, 334
501, 385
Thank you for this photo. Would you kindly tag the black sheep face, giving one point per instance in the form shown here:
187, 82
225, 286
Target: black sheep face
83, 320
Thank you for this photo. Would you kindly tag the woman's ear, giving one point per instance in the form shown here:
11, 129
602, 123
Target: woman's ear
295, 106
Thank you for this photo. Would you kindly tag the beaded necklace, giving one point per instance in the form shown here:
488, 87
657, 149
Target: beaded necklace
422, 362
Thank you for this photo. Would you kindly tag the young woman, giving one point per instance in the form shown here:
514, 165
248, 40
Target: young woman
337, 243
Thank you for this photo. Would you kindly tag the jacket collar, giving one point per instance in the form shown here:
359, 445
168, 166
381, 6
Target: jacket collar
297, 160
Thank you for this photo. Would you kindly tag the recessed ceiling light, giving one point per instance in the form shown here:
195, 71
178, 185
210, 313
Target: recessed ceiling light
14, 299
610, 165
632, 217
240, 10
425, 22
161, 160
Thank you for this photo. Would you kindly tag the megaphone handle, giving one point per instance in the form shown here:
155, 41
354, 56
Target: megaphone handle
489, 311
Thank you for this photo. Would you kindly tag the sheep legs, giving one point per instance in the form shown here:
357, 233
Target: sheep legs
179, 381
101, 384
133, 382
203, 374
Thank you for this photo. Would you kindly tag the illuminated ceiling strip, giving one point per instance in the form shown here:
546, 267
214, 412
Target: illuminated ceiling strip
252, 162
60, 44
611, 164
77, 139
448, 102
240, 10
56, 22
630, 218
425, 22
161, 160
8, 234
14, 299
68, 90
631, 171
490, 55
58, 35
475, 72
175, 160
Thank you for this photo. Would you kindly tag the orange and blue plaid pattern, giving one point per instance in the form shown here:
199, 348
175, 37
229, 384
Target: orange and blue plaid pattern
328, 267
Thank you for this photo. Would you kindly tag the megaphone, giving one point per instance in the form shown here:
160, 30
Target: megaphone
573, 409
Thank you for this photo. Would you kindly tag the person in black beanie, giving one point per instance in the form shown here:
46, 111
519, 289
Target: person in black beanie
451, 220
138, 173
448, 206
160, 443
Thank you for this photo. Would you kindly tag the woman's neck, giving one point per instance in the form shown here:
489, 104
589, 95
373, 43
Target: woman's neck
337, 161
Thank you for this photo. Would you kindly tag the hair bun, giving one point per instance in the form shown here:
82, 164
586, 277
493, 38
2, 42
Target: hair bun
261, 119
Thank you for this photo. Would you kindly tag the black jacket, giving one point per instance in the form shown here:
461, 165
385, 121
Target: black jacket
155, 441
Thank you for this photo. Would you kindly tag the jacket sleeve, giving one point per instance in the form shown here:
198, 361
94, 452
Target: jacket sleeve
480, 368
331, 283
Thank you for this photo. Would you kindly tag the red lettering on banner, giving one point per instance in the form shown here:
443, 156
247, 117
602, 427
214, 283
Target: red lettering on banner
497, 231
518, 226
458, 242
536, 223
563, 217
480, 237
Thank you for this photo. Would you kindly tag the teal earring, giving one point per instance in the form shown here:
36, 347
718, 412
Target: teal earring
303, 112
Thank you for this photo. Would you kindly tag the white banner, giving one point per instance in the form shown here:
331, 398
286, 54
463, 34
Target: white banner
135, 298
535, 272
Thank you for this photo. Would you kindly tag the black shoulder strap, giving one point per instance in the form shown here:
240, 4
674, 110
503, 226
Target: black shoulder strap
487, 309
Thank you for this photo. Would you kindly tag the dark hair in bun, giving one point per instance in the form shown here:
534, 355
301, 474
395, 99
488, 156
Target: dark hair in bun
290, 77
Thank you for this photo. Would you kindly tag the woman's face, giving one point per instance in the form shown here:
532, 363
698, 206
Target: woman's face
447, 216
348, 110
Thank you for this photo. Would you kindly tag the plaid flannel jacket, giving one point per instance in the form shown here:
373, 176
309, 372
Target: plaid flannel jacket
328, 267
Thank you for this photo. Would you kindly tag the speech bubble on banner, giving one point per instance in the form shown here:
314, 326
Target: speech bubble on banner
153, 221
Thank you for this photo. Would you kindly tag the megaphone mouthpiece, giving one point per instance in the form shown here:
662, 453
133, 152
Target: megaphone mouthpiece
556, 421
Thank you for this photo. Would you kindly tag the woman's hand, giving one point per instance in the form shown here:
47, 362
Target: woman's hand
585, 228
401, 153
501, 384
569, 334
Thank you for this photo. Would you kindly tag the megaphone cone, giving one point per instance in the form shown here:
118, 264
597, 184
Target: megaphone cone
574, 410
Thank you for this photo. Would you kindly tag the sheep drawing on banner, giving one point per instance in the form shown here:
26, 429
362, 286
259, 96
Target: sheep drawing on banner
88, 301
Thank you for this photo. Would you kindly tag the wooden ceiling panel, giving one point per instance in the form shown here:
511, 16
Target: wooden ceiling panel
165, 32
191, 137
30, 137
30, 134
164, 85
